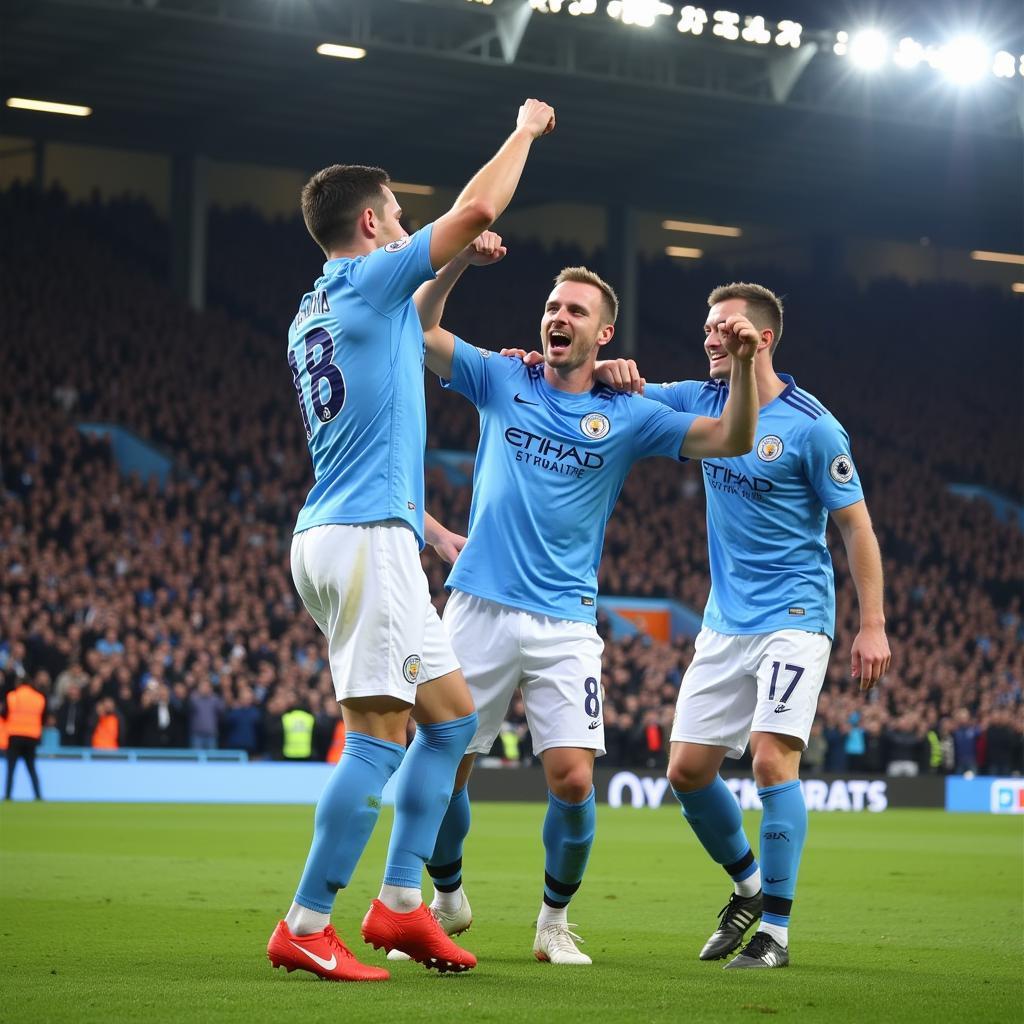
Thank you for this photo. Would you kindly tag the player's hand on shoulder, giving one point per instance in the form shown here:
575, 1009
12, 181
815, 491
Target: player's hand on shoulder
621, 374
484, 250
449, 546
529, 358
870, 656
741, 337
537, 117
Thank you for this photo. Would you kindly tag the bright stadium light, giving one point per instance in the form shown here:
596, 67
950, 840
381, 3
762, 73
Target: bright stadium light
998, 257
842, 44
754, 30
683, 252
1018, 287
727, 24
642, 13
47, 107
909, 53
338, 50
869, 49
1004, 65
692, 20
578, 7
701, 229
789, 33
964, 60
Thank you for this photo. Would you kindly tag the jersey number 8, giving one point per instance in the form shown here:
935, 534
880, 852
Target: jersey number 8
321, 371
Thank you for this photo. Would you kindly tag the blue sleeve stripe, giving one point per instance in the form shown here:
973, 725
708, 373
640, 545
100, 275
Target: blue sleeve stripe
811, 399
797, 403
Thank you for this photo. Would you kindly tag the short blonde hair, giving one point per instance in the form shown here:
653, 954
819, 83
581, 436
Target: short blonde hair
763, 306
582, 275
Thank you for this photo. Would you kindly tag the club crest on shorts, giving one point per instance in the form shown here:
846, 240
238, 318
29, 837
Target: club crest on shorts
841, 469
595, 425
769, 448
411, 668
397, 245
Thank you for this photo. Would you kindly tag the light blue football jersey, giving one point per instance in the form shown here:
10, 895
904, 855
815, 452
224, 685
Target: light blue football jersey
355, 349
549, 468
770, 566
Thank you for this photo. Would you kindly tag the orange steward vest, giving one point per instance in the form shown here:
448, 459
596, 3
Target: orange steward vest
337, 743
25, 710
104, 736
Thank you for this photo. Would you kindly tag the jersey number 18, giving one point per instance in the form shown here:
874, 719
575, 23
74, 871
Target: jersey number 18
322, 371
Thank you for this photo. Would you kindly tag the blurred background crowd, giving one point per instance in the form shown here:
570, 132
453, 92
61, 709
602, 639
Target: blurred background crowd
166, 618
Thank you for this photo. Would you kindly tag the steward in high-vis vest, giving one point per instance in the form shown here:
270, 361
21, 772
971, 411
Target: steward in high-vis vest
106, 730
298, 734
25, 708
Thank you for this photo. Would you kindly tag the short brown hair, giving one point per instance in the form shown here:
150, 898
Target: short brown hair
582, 275
334, 197
763, 306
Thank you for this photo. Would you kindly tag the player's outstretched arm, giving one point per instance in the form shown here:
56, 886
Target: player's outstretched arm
870, 655
430, 298
733, 432
490, 190
443, 541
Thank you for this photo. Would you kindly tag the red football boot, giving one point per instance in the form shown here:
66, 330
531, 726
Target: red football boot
321, 953
418, 934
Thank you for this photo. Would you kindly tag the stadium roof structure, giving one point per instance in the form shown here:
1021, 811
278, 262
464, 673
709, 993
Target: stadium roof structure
647, 116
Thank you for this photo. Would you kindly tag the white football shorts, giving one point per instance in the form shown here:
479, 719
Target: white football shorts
366, 590
735, 685
555, 662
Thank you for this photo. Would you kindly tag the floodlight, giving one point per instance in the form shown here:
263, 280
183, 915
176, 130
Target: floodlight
964, 60
868, 49
337, 50
683, 252
909, 53
47, 107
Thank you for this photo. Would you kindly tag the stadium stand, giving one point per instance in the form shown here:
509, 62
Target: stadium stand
163, 611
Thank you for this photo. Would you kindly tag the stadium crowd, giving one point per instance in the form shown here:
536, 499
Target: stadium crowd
166, 617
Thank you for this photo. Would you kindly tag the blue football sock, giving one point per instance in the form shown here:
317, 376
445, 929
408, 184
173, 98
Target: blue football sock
346, 812
783, 831
716, 819
445, 864
568, 836
421, 797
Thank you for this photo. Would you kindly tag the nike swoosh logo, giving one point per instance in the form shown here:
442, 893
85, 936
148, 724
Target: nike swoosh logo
772, 881
782, 711
327, 965
594, 725
522, 401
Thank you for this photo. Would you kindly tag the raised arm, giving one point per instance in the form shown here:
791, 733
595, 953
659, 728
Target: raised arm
491, 189
870, 655
430, 299
732, 433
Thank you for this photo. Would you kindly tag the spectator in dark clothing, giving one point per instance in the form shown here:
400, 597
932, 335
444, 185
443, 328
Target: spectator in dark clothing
242, 723
1000, 745
873, 759
965, 742
835, 737
903, 748
159, 721
204, 710
73, 718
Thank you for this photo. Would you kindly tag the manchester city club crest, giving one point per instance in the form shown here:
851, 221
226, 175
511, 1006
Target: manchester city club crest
595, 425
841, 469
769, 448
411, 668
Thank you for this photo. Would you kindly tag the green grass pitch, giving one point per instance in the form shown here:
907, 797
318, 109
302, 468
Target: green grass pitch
148, 913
